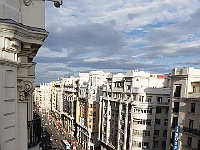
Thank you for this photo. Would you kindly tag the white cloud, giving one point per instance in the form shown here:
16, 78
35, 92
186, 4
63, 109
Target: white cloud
105, 34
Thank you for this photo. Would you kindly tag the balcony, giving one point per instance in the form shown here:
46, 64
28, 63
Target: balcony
193, 95
117, 89
191, 131
162, 103
34, 130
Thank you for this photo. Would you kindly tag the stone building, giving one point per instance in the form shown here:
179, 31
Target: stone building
184, 112
90, 90
21, 36
133, 112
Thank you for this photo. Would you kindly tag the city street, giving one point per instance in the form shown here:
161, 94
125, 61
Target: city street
54, 135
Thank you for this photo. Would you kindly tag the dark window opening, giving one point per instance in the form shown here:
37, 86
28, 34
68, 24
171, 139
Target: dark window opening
192, 107
177, 91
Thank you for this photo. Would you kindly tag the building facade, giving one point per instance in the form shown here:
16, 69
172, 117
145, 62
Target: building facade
90, 89
21, 36
70, 96
133, 112
184, 112
42, 96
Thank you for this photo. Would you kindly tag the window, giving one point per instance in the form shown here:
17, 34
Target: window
156, 133
166, 110
145, 145
128, 87
157, 121
192, 107
165, 133
164, 144
146, 133
158, 110
94, 120
155, 144
177, 90
159, 99
191, 123
176, 107
168, 99
94, 113
198, 144
118, 84
189, 142
194, 88
141, 98
148, 122
149, 99
166, 122
174, 121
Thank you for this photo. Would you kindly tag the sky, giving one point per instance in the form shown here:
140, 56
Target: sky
119, 35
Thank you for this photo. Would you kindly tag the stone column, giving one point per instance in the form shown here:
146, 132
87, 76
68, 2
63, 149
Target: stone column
100, 118
126, 127
131, 128
24, 113
119, 125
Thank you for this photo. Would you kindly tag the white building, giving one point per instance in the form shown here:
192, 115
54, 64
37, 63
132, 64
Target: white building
133, 112
90, 90
184, 114
21, 35
42, 96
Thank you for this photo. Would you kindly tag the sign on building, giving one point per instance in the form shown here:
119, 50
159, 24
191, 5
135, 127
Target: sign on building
176, 134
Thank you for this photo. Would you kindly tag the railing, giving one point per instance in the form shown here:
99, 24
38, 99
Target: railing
34, 130
192, 131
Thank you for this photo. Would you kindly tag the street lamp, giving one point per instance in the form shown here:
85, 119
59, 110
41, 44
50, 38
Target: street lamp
57, 3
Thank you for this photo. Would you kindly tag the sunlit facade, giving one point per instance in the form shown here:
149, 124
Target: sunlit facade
90, 90
184, 108
21, 36
134, 111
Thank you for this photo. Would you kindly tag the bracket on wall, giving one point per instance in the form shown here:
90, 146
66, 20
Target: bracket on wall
57, 3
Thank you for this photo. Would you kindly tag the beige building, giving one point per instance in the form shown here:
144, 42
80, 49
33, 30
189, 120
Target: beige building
90, 90
42, 96
185, 101
134, 112
21, 36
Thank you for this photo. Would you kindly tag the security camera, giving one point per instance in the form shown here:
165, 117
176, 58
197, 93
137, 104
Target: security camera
57, 3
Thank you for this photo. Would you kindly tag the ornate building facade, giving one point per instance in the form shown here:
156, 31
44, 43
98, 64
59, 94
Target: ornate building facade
21, 36
184, 112
133, 112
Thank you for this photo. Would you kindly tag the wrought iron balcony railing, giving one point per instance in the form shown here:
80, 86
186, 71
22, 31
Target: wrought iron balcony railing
191, 131
34, 130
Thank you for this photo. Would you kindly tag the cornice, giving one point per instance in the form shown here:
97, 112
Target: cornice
11, 29
9, 62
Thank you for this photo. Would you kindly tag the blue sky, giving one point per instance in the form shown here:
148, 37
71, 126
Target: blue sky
119, 35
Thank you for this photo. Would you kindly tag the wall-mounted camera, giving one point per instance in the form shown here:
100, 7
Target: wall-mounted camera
57, 3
